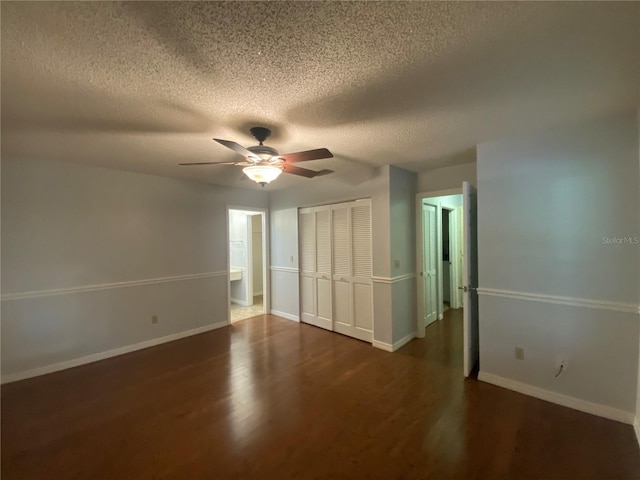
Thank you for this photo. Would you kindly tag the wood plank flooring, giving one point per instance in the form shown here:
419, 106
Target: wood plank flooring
269, 398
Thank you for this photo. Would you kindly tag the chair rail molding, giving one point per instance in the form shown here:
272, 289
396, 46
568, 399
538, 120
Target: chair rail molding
396, 279
106, 286
572, 301
274, 268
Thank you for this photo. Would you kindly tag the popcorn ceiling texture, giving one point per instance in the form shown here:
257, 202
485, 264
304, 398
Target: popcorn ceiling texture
142, 86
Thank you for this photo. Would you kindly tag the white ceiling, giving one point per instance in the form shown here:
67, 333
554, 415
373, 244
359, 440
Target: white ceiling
142, 86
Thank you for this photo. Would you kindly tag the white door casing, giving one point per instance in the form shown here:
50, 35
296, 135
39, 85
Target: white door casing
471, 338
249, 266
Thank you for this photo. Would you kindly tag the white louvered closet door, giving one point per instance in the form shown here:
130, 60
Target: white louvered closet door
362, 270
314, 225
324, 305
341, 233
352, 269
307, 239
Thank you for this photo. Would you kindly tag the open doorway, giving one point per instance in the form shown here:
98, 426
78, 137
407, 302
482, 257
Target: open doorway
439, 255
247, 263
447, 265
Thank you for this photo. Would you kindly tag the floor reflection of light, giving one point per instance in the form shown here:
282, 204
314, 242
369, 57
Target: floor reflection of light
245, 408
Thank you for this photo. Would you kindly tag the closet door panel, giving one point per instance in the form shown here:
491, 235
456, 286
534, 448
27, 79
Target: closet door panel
307, 239
323, 267
324, 300
342, 307
307, 298
361, 239
363, 306
341, 242
362, 270
342, 254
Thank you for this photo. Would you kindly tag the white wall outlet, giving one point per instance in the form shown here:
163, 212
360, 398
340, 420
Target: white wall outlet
519, 353
397, 263
154, 319
291, 259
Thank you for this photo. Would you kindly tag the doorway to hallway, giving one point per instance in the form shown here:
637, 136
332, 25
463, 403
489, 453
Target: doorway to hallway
447, 263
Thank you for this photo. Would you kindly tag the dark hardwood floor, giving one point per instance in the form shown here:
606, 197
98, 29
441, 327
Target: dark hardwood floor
269, 398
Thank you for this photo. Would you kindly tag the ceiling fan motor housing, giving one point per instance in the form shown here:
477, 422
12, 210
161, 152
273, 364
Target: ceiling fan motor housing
263, 152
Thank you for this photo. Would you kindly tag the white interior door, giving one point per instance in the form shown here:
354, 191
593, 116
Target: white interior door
324, 304
470, 278
352, 269
460, 256
342, 285
361, 270
429, 259
314, 225
307, 237
336, 289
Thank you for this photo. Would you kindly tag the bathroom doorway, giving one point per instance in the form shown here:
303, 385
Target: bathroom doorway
247, 267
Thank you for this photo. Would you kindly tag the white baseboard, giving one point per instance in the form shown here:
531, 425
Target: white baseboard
244, 303
560, 399
387, 347
403, 341
396, 345
76, 362
288, 316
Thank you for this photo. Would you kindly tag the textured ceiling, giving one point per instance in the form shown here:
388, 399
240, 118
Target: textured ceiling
142, 86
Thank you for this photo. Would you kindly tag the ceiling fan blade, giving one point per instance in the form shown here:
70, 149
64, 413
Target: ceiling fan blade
316, 154
304, 172
236, 147
209, 163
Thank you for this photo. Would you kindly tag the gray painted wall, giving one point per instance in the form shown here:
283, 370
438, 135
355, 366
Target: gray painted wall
403, 186
68, 226
447, 177
545, 203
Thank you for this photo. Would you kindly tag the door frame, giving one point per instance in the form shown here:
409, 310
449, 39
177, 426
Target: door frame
454, 256
420, 197
266, 280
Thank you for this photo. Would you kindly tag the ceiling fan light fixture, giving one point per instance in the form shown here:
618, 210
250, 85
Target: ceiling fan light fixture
262, 174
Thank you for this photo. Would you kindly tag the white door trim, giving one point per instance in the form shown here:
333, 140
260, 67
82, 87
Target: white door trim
249, 282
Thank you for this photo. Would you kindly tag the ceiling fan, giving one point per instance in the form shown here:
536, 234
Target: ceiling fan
264, 164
